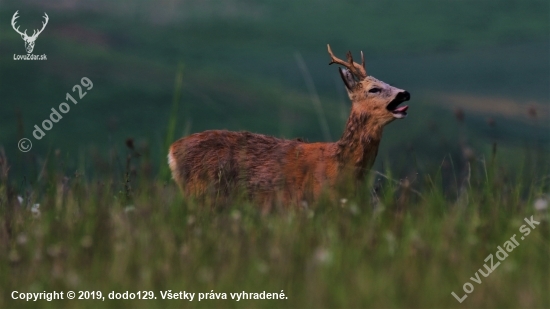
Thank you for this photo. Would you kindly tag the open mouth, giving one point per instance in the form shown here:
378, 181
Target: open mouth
399, 111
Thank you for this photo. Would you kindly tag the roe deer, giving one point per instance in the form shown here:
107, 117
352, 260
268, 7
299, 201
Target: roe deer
269, 169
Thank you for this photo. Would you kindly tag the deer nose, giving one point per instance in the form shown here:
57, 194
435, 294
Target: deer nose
403, 96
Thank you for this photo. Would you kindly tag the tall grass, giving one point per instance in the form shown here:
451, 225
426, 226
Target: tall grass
395, 244
172, 119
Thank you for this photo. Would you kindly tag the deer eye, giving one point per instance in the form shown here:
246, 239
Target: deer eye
375, 90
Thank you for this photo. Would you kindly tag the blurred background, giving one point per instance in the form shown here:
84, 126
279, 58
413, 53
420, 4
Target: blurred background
478, 73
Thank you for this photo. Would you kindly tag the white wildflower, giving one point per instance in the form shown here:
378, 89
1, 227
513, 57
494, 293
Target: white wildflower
236, 215
392, 243
541, 204
343, 201
35, 210
323, 256
22, 239
354, 209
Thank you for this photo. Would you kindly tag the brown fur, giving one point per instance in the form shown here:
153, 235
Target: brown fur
218, 163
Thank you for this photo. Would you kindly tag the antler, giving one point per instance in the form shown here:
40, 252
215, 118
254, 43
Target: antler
356, 69
34, 33
13, 24
43, 26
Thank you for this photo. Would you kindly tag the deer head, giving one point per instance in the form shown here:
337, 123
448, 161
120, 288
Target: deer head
369, 95
29, 40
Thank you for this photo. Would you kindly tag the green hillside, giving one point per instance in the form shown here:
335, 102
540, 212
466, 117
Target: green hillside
240, 71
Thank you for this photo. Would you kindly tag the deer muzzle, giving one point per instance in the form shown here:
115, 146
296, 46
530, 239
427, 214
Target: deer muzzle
397, 111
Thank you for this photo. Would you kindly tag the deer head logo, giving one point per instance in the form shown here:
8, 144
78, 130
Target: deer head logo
29, 40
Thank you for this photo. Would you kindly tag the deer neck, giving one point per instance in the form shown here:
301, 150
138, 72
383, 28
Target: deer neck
358, 146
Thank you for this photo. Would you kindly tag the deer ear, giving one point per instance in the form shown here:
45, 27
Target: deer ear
347, 77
